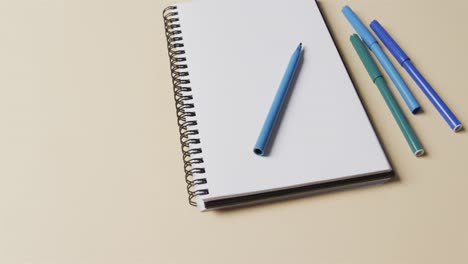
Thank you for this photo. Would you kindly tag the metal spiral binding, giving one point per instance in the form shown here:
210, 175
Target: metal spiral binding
184, 106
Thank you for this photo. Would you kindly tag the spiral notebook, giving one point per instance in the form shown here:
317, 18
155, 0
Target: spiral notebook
227, 59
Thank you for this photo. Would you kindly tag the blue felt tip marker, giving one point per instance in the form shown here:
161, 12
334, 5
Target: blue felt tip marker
405, 61
260, 147
374, 46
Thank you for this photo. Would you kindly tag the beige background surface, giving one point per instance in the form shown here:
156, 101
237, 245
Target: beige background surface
90, 164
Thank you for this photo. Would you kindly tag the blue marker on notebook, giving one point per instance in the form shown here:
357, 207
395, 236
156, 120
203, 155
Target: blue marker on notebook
372, 44
405, 61
275, 109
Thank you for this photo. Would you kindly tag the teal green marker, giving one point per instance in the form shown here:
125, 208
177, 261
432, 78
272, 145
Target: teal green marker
378, 79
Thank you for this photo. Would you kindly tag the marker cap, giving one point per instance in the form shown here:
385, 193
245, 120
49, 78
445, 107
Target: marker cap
366, 58
361, 29
388, 41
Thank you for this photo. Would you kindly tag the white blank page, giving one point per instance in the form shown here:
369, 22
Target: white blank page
237, 52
